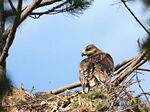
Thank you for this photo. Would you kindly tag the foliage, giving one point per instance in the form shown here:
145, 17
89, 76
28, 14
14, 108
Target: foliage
146, 2
146, 43
77, 6
145, 46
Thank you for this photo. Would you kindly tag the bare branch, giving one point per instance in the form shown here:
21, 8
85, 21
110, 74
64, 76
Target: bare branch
68, 87
142, 89
47, 2
144, 69
29, 9
12, 6
120, 67
125, 73
2, 24
53, 10
124, 2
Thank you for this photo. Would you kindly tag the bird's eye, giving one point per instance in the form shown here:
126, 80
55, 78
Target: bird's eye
89, 48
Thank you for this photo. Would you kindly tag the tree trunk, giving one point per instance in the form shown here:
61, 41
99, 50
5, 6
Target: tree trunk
2, 23
2, 29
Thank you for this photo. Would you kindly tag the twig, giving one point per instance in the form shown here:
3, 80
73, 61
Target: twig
142, 89
144, 69
124, 2
141, 94
12, 6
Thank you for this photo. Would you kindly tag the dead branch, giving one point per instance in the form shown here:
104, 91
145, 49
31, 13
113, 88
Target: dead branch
123, 65
140, 23
68, 87
142, 89
144, 69
118, 66
127, 71
141, 94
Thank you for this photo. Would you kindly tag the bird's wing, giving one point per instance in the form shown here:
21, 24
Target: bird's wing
108, 63
103, 66
105, 61
86, 70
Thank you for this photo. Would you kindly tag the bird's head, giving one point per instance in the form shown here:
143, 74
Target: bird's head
90, 50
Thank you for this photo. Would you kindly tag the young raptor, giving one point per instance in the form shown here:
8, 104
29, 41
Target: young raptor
96, 69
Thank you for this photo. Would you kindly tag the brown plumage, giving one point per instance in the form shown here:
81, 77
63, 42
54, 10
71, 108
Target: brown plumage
96, 69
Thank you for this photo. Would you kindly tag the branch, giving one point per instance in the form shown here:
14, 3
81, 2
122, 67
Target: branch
144, 69
47, 2
2, 23
29, 9
36, 15
41, 4
12, 6
124, 2
10, 32
120, 67
127, 71
142, 89
68, 87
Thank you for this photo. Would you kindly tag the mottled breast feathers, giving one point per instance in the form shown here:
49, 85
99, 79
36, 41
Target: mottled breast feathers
96, 69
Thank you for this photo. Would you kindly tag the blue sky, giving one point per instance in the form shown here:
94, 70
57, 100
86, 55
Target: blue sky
47, 51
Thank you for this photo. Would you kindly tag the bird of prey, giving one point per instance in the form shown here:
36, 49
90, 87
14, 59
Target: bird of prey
96, 69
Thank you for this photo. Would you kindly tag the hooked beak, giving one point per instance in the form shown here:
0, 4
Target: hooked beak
84, 53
